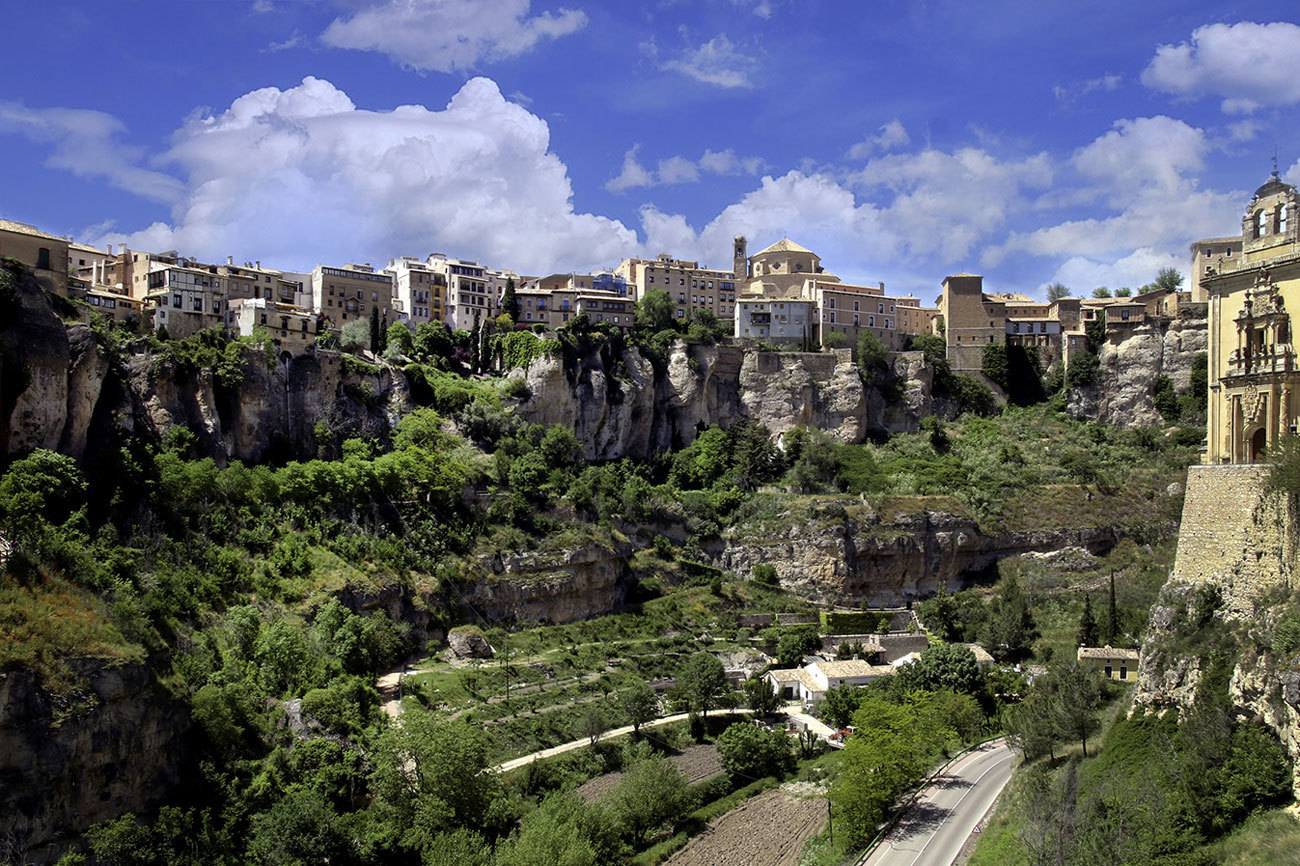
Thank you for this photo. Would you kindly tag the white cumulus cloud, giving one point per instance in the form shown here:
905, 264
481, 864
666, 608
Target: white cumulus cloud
450, 35
1249, 65
302, 176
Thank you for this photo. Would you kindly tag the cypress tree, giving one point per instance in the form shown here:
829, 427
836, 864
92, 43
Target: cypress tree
509, 303
374, 329
474, 354
1087, 624
1112, 616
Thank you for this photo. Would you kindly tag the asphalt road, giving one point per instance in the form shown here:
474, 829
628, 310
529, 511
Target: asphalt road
941, 819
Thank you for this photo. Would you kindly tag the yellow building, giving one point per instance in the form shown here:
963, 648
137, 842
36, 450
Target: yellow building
351, 292
1114, 664
1209, 256
1253, 373
689, 286
45, 254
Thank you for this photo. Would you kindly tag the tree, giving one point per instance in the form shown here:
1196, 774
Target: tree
475, 346
946, 666
840, 704
702, 682
639, 704
432, 341
375, 333
1088, 633
873, 357
1168, 279
1124, 292
1056, 291
761, 696
650, 793
655, 310
400, 336
1110, 629
796, 643
834, 339
1031, 726
594, 724
1010, 629
746, 750
43, 487
354, 336
1101, 292
766, 575
993, 364
1078, 694
510, 303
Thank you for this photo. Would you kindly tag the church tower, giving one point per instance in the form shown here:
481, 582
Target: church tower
740, 261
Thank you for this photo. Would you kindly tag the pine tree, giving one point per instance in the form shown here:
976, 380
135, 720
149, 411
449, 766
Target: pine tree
1087, 625
509, 303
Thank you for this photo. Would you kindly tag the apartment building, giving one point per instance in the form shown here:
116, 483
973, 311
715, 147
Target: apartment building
914, 319
44, 253
184, 299
419, 293
852, 310
351, 292
470, 288
689, 286
776, 320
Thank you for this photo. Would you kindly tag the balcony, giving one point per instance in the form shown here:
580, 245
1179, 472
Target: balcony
1262, 360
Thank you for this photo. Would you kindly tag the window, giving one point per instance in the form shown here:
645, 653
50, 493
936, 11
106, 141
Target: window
681, 281
43, 259
1108, 671
1123, 672
1261, 223
650, 279
198, 305
681, 297
1281, 218
681, 313
830, 303
176, 301
832, 318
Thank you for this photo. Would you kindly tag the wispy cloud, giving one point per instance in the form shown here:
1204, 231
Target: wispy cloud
891, 136
1072, 93
719, 62
680, 169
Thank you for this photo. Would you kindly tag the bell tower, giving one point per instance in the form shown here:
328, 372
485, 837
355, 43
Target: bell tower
740, 260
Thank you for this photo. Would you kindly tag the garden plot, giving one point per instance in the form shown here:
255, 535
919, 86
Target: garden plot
697, 763
767, 830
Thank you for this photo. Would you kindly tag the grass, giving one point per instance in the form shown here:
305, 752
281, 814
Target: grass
1265, 839
45, 625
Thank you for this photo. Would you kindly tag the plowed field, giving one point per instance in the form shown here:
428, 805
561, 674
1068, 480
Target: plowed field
697, 762
767, 830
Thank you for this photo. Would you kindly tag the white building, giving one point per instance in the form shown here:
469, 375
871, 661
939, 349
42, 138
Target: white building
810, 683
785, 321
471, 288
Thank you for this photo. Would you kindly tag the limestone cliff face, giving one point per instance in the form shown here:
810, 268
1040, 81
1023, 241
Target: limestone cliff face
1130, 362
123, 754
553, 587
889, 559
1234, 569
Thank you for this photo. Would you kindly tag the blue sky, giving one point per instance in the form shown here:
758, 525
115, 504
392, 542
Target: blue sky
1087, 142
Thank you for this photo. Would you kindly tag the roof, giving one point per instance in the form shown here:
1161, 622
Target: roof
1272, 185
795, 675
785, 245
981, 655
1107, 652
1233, 239
25, 229
851, 668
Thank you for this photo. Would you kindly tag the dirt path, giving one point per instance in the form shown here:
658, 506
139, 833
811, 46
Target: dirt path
767, 830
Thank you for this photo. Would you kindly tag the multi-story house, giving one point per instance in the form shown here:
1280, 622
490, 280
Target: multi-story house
471, 289
1209, 257
351, 292
418, 291
185, 300
292, 328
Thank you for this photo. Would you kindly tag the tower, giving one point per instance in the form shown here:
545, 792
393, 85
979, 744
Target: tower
740, 260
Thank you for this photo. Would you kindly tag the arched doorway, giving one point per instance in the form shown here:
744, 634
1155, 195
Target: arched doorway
1258, 443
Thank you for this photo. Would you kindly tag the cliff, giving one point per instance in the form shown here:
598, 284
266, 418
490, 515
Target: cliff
121, 751
909, 549
1130, 361
1232, 584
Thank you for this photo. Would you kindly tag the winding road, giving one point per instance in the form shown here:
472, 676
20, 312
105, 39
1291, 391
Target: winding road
942, 817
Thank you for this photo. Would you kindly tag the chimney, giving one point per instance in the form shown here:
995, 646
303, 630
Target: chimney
882, 285
230, 261
259, 264
110, 249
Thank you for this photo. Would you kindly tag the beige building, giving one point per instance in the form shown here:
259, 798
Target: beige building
970, 320
1209, 257
351, 292
471, 289
185, 300
1254, 376
1114, 664
914, 319
419, 293
45, 254
690, 286
292, 328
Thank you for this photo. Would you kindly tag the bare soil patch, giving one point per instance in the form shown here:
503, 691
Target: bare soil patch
767, 830
697, 762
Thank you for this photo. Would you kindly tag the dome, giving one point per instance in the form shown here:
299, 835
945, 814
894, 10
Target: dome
1272, 185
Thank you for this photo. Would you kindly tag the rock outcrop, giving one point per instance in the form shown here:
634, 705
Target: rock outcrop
859, 556
1130, 362
1234, 570
124, 753
551, 587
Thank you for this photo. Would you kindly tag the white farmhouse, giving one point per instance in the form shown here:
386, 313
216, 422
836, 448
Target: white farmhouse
810, 683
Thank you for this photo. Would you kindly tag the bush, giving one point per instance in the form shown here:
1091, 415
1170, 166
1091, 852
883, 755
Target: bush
766, 575
747, 750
